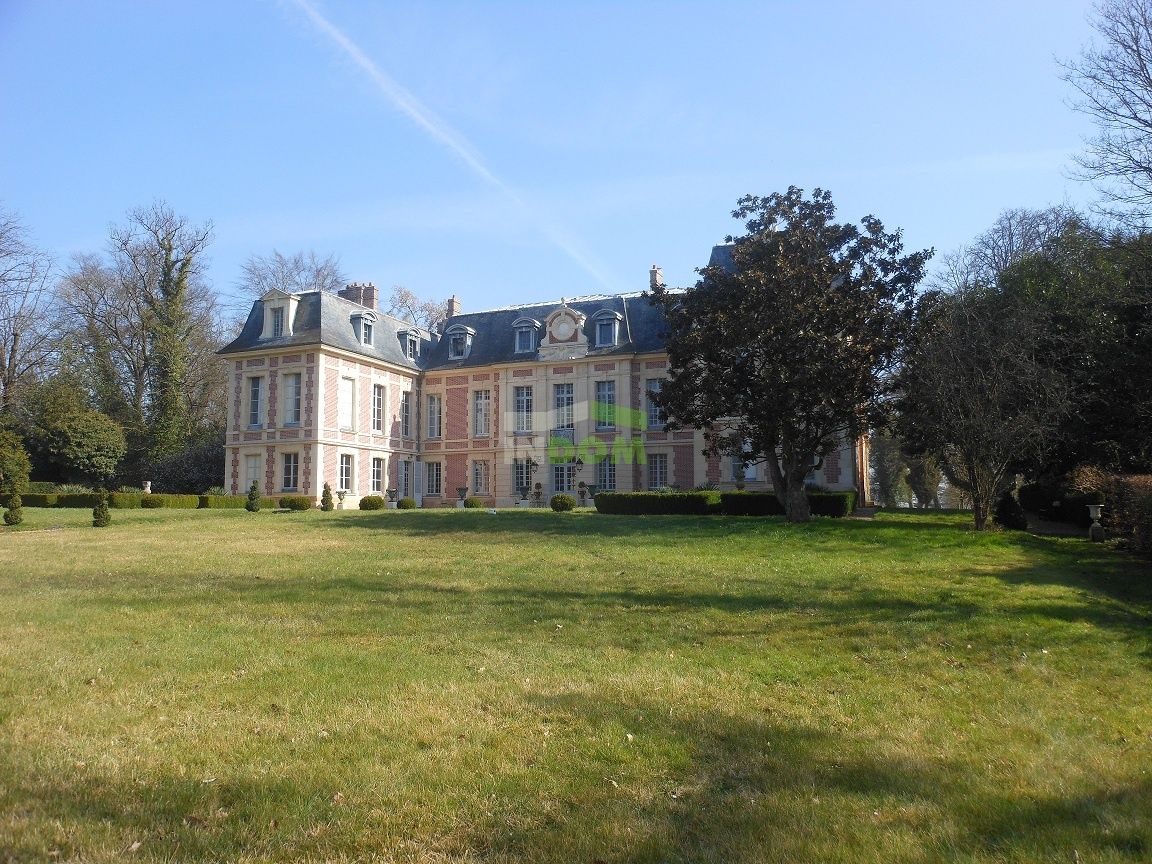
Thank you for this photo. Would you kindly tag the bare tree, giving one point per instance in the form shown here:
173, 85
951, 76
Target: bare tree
28, 341
290, 273
976, 395
1114, 83
403, 303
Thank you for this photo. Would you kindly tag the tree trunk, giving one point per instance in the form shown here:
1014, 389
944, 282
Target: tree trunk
797, 506
788, 483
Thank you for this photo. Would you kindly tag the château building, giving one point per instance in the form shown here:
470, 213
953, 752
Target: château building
326, 388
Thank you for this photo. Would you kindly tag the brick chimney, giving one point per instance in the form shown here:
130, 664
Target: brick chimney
655, 277
364, 294
453, 307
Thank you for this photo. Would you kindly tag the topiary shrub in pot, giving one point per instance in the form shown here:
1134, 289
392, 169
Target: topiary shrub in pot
371, 502
562, 503
406, 504
326, 503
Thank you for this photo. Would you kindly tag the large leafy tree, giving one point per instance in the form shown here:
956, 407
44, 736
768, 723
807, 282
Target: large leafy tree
789, 346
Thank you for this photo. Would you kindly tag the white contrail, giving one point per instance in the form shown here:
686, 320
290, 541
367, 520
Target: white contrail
440, 131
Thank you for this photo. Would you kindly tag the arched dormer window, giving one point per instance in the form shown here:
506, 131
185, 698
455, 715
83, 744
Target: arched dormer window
409, 343
607, 324
363, 324
459, 341
526, 332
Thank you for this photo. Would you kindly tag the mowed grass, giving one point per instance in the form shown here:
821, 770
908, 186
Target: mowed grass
526, 686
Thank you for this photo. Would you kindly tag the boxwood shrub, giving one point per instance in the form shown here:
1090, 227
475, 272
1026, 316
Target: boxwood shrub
473, 503
766, 504
406, 504
298, 503
657, 503
832, 503
38, 499
372, 502
562, 503
125, 500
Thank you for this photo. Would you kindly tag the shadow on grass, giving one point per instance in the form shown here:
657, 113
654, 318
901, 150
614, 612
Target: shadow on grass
706, 787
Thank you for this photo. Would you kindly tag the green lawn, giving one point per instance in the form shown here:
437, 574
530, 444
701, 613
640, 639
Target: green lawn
526, 686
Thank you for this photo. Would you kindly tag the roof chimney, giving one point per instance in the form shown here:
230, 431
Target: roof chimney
655, 277
453, 307
364, 294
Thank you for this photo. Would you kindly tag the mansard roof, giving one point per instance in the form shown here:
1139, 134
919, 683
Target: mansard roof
642, 330
323, 318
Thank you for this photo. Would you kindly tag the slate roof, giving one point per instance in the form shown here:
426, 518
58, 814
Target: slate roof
323, 318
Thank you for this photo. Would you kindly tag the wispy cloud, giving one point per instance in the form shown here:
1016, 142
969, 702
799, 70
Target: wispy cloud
442, 133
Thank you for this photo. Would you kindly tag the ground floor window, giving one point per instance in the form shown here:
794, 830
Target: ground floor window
406, 479
346, 472
435, 484
657, 470
563, 478
606, 474
377, 474
521, 475
481, 478
291, 463
252, 472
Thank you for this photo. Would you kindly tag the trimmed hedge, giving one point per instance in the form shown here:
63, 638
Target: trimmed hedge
835, 504
87, 500
297, 503
39, 499
372, 502
406, 504
222, 502
125, 500
657, 503
174, 502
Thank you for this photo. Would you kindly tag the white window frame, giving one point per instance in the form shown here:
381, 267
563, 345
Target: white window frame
277, 326
434, 478
406, 414
378, 472
564, 403
481, 413
293, 475
459, 341
378, 401
657, 477
346, 389
522, 397
521, 474
613, 327
656, 417
481, 477
255, 402
250, 477
435, 415
365, 331
347, 476
604, 406
525, 339
293, 398
606, 474
563, 478
412, 347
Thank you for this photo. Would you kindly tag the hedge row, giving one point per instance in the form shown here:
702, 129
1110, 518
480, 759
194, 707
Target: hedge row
1058, 503
728, 503
137, 500
658, 503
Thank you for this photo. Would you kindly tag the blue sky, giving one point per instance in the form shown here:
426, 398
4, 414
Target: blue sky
511, 152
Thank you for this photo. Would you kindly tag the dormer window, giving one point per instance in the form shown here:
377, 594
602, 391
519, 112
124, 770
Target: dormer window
412, 347
362, 326
279, 307
459, 341
277, 322
526, 330
607, 328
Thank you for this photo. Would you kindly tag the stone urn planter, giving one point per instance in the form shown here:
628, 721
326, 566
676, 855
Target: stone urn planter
524, 492
391, 503
461, 491
1095, 530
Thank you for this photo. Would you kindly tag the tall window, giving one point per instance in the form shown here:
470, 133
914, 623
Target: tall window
435, 477
377, 474
521, 474
365, 331
481, 477
277, 322
657, 470
482, 413
525, 339
413, 347
291, 471
741, 471
435, 416
656, 418
252, 472
255, 402
606, 474
563, 478
377, 407
346, 472
346, 407
605, 408
405, 478
522, 400
406, 414
292, 399
563, 403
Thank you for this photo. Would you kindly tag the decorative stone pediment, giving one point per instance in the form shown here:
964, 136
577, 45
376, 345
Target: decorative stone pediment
564, 337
